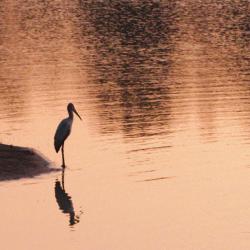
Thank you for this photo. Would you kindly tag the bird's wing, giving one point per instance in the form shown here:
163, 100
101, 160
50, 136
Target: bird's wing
62, 132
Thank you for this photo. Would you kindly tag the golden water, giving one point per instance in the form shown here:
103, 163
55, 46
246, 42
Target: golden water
161, 159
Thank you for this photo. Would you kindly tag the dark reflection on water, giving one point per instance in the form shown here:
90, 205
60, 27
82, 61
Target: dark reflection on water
142, 24
131, 43
141, 63
64, 201
148, 59
223, 27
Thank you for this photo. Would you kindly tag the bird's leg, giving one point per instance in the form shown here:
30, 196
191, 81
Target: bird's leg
63, 178
63, 162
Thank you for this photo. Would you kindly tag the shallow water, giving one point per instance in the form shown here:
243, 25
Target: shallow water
161, 159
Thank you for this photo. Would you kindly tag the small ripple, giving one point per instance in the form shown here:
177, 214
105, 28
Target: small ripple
142, 172
148, 149
157, 179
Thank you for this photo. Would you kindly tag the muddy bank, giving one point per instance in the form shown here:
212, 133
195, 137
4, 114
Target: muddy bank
20, 162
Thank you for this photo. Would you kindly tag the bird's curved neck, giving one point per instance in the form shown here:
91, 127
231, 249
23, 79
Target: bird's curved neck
71, 116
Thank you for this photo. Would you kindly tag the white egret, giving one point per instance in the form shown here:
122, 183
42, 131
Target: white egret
63, 130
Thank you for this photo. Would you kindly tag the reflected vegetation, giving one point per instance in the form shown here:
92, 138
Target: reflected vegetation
139, 63
144, 59
64, 201
131, 44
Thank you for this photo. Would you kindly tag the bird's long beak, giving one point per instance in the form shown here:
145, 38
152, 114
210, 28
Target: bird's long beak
77, 113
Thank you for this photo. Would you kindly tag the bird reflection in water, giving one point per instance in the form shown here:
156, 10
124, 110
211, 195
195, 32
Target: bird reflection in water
64, 201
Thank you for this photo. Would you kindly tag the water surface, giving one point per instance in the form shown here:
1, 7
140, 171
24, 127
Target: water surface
161, 159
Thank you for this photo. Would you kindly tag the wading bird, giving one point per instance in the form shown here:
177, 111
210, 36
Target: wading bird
63, 130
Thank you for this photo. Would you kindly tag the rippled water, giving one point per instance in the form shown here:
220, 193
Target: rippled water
161, 159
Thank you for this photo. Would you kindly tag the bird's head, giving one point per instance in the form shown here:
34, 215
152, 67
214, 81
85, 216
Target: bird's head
71, 108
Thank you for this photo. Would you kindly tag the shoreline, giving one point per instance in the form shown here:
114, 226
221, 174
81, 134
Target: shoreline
22, 162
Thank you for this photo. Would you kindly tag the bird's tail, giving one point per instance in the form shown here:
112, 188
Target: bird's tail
57, 146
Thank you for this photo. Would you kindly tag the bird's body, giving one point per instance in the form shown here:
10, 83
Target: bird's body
62, 132
64, 129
